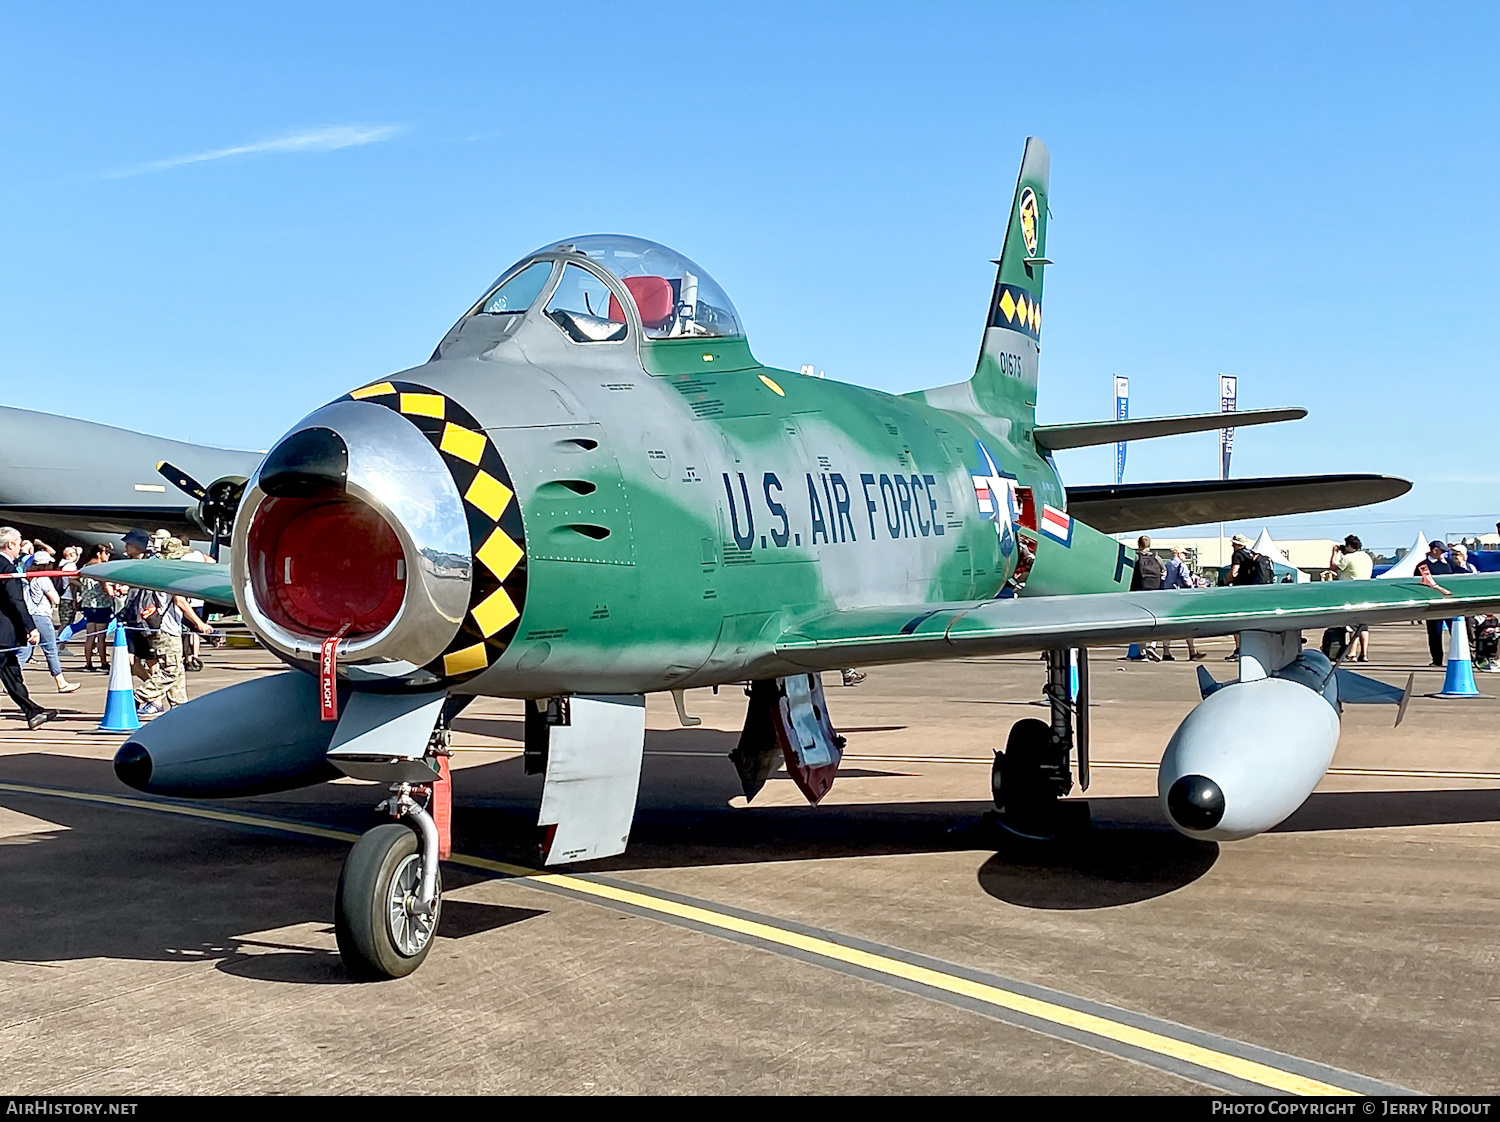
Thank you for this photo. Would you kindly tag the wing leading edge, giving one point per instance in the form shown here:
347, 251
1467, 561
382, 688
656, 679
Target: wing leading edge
865, 636
1091, 434
196, 580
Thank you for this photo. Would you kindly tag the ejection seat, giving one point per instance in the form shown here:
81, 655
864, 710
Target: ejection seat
654, 298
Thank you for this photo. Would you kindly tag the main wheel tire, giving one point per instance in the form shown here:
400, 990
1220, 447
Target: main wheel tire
378, 935
1013, 775
1027, 807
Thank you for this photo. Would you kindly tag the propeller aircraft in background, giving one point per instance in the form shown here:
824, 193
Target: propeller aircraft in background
94, 482
592, 491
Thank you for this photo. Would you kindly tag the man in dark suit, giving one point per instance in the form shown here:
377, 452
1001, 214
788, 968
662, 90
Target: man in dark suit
16, 631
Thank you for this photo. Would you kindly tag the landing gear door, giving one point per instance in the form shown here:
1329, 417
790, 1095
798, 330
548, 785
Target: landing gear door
593, 777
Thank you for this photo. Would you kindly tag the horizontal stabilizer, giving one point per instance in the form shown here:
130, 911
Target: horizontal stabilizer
1125, 507
1088, 434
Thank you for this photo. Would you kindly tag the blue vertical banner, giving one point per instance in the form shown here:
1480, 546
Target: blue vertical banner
1228, 391
1122, 413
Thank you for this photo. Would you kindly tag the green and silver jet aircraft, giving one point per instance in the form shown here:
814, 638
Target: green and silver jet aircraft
592, 491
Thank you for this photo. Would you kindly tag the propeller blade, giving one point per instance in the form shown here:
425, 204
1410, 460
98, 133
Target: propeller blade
182, 480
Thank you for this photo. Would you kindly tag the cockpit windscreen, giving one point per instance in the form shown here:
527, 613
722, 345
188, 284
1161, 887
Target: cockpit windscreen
520, 292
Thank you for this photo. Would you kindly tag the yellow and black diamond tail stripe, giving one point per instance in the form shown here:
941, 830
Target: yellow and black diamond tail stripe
1016, 309
496, 538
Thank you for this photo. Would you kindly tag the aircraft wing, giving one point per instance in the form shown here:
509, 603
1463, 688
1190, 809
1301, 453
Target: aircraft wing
864, 636
1090, 434
197, 580
1149, 506
101, 520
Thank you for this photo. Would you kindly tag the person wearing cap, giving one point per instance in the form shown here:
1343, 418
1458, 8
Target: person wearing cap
41, 598
1242, 562
67, 610
158, 618
16, 629
1436, 564
137, 606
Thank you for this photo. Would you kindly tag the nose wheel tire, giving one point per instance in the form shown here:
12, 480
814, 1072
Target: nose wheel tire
380, 934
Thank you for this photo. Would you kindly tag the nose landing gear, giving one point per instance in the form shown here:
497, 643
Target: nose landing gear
390, 894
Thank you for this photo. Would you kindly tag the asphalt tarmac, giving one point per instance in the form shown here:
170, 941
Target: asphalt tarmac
881, 942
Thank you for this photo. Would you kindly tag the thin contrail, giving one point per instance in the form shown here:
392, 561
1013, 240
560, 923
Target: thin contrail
311, 140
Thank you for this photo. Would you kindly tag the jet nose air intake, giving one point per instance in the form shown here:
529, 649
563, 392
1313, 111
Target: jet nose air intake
387, 520
353, 527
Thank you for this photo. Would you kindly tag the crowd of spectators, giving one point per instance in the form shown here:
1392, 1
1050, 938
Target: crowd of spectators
49, 601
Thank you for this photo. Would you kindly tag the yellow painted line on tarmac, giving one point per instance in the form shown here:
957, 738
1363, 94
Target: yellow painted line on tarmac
1051, 1012
186, 811
1248, 1070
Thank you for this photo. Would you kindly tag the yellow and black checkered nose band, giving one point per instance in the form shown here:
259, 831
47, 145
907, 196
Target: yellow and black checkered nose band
1016, 309
495, 533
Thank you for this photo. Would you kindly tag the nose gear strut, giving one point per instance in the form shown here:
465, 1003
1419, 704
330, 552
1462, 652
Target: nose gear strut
390, 893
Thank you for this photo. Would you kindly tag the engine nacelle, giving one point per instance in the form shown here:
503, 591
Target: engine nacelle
208, 748
1250, 754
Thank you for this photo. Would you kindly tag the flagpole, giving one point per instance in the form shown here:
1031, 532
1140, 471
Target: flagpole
1122, 412
1228, 393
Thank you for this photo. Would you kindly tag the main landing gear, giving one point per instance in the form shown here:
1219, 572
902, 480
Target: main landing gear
1035, 769
390, 893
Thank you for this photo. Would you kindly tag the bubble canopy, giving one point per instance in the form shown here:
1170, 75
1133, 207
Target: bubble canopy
674, 297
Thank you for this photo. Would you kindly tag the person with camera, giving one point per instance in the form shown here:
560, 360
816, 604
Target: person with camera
1349, 561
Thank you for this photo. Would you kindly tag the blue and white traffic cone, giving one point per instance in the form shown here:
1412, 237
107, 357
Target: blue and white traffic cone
1133, 652
119, 705
1459, 679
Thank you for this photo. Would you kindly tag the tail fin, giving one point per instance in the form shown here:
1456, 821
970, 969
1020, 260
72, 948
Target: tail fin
1005, 378
1004, 381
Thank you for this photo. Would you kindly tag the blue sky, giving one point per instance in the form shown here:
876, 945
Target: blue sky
215, 219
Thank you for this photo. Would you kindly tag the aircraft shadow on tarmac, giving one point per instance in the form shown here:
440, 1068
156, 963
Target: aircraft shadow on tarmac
127, 884
124, 884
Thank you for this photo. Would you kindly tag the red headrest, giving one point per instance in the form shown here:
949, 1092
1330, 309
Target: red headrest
653, 298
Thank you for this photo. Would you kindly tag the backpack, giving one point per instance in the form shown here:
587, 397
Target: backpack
1149, 572
1265, 571
143, 610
